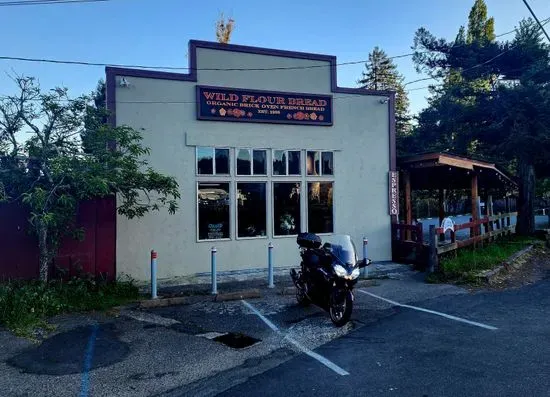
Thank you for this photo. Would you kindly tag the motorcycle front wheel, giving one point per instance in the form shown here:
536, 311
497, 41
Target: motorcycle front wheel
340, 307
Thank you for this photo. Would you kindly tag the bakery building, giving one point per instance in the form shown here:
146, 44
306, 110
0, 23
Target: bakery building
264, 144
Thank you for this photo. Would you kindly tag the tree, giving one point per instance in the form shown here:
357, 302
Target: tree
481, 29
443, 120
95, 115
509, 122
381, 74
49, 173
224, 29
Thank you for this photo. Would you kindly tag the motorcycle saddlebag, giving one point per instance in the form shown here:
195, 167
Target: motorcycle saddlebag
308, 240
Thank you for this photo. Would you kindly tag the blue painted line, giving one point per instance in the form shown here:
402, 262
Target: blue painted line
88, 356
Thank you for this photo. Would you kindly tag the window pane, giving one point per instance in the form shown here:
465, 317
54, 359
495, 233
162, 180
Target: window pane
319, 207
294, 163
313, 163
260, 162
251, 209
244, 165
205, 165
213, 201
222, 161
328, 165
279, 162
286, 208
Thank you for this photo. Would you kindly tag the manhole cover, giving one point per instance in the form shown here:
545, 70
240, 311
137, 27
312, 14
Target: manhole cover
236, 341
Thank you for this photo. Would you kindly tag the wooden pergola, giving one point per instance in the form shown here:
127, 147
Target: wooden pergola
441, 171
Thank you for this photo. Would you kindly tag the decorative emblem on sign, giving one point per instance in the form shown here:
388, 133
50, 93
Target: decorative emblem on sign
394, 193
447, 224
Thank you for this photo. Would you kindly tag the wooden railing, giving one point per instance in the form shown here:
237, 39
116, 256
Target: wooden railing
408, 243
487, 228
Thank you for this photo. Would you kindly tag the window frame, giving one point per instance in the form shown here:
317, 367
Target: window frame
321, 173
251, 153
267, 193
333, 205
214, 174
300, 204
231, 202
287, 159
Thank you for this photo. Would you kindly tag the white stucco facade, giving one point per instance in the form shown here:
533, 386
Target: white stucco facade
164, 107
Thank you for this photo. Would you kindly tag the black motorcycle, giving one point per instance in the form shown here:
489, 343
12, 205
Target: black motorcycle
327, 274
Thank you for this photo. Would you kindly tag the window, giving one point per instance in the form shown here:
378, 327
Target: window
213, 210
319, 207
320, 163
251, 209
286, 162
212, 161
251, 162
286, 208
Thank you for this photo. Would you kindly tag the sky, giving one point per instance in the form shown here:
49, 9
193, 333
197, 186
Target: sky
156, 32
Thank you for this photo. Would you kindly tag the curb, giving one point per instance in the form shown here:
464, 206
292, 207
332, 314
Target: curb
186, 300
231, 296
489, 276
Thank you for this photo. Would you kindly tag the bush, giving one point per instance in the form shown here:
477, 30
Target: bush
24, 305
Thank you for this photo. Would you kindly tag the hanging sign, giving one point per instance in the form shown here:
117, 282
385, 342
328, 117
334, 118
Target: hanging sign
232, 104
394, 192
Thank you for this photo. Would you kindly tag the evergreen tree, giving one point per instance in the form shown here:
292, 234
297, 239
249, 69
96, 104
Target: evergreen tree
480, 28
381, 74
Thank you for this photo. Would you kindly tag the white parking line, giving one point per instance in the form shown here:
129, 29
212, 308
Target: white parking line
421, 309
323, 360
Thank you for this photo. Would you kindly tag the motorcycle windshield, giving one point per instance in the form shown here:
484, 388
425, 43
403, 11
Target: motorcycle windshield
343, 249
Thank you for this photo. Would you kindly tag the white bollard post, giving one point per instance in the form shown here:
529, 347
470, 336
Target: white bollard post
213, 253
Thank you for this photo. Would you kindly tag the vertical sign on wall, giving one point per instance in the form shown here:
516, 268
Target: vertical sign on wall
394, 192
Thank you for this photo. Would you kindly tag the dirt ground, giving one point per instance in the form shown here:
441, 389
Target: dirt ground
529, 269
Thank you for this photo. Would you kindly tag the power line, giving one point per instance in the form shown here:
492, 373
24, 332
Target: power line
160, 67
45, 2
536, 19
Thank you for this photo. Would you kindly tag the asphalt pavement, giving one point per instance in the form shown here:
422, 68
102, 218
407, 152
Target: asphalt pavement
407, 338
413, 353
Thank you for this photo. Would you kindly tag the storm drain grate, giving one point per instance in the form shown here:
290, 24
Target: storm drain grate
236, 340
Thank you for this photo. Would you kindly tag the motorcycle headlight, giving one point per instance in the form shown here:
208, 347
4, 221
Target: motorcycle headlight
340, 271
355, 273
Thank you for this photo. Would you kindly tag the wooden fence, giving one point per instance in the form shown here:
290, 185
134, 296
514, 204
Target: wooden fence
408, 245
486, 229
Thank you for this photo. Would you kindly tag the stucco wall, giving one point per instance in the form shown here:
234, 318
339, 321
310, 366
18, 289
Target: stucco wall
166, 111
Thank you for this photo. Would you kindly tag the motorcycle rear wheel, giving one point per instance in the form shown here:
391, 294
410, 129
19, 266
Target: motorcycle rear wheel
340, 309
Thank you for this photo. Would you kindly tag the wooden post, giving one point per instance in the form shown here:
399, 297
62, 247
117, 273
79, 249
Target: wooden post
408, 204
475, 214
441, 211
490, 205
432, 258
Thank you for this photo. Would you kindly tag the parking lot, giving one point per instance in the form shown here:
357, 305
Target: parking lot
405, 338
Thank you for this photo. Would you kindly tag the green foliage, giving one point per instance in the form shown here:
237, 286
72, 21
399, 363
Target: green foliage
381, 74
493, 103
480, 28
469, 262
72, 155
26, 305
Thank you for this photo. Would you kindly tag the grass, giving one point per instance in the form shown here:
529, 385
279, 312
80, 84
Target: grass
25, 305
468, 262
